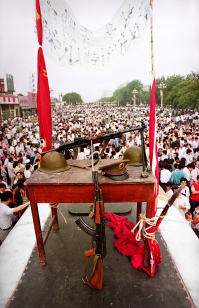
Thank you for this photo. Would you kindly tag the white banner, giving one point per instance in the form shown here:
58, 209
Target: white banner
75, 47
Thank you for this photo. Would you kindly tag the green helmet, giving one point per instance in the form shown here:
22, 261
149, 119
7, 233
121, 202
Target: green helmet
53, 162
134, 154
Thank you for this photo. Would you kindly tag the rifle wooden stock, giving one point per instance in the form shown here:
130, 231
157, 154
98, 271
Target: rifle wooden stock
170, 202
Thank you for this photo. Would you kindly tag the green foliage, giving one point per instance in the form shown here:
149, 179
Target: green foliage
184, 95
170, 82
72, 98
124, 95
107, 99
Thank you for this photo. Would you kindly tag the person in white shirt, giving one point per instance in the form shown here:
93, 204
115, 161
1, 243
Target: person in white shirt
87, 151
6, 214
193, 173
27, 172
182, 204
56, 144
185, 191
181, 151
81, 155
11, 171
169, 191
165, 174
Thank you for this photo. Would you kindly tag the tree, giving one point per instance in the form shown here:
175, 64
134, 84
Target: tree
72, 98
124, 95
170, 82
184, 95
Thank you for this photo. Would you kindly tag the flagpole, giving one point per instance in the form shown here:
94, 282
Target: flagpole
152, 53
147, 252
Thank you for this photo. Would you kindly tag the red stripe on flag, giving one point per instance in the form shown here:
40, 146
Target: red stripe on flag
153, 153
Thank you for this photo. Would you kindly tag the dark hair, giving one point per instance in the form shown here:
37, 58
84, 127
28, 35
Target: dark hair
20, 182
169, 184
27, 166
15, 163
2, 185
14, 186
183, 179
6, 196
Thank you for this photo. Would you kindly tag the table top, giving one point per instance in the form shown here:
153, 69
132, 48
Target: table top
80, 176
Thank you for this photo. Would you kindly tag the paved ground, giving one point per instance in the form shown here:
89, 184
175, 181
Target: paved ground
59, 284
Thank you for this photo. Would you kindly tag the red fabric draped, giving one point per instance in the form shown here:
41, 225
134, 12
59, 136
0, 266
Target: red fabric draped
39, 23
43, 101
128, 246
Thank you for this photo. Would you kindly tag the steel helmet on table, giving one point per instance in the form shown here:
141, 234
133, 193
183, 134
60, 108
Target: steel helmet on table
134, 154
53, 162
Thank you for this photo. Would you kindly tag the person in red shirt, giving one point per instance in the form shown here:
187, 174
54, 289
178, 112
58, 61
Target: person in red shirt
194, 195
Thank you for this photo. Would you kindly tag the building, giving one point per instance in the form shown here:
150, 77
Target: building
28, 104
122, 85
107, 93
9, 104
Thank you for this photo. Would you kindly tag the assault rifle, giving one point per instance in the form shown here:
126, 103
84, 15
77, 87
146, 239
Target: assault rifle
98, 236
83, 142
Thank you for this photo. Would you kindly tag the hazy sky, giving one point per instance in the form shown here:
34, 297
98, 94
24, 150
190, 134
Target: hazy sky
176, 46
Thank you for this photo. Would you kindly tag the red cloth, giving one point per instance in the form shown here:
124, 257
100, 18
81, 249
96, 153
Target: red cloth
43, 101
39, 23
128, 246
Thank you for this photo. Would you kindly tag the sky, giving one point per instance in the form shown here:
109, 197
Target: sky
175, 36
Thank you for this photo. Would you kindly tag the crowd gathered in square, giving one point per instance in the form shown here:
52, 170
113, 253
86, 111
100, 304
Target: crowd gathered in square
177, 142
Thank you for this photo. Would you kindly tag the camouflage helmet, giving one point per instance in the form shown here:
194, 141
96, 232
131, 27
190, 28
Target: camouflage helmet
134, 154
53, 162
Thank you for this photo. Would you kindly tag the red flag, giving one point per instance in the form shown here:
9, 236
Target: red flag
43, 101
153, 152
155, 254
39, 23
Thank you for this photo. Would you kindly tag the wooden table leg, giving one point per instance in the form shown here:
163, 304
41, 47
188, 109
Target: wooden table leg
55, 225
37, 227
38, 233
139, 209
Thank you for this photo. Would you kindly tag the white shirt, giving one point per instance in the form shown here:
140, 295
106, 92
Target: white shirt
81, 156
165, 176
187, 173
185, 191
27, 174
10, 170
169, 193
5, 216
182, 200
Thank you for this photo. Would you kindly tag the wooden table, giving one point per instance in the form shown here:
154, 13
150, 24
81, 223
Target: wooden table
76, 186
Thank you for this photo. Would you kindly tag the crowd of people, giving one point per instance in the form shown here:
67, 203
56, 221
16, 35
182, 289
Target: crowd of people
178, 152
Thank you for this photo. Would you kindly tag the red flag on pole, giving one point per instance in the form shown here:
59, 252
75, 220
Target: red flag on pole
155, 254
39, 23
43, 101
153, 152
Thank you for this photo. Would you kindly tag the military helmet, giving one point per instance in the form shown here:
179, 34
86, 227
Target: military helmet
53, 162
134, 154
